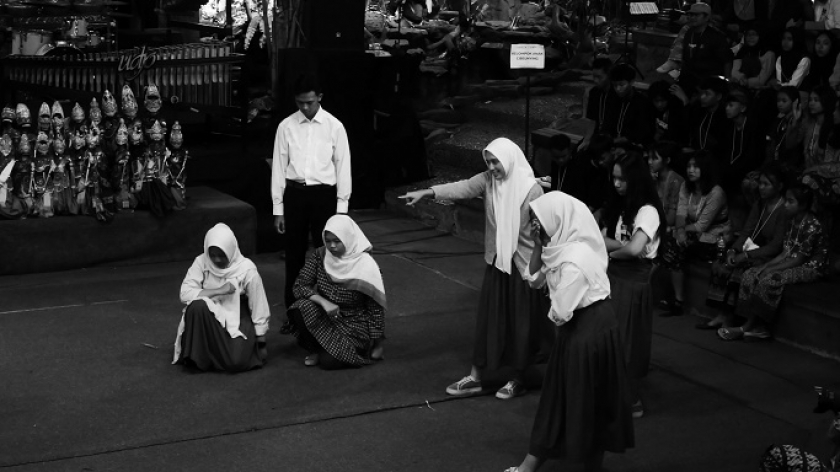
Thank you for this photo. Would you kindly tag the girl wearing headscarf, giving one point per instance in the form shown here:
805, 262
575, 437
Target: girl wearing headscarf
584, 408
753, 65
226, 317
339, 312
792, 65
511, 327
823, 60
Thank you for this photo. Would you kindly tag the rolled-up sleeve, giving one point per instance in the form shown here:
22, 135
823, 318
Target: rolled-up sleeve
257, 302
193, 283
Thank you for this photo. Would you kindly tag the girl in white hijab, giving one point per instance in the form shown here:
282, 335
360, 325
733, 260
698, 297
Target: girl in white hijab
511, 328
339, 312
226, 317
583, 409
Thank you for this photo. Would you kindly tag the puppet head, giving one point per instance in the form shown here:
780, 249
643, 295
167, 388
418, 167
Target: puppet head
122, 134
5, 145
153, 101
129, 103
78, 114
57, 116
44, 118
176, 137
109, 104
22, 116
95, 113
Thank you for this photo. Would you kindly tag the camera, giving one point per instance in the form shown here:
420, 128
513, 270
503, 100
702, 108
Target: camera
826, 400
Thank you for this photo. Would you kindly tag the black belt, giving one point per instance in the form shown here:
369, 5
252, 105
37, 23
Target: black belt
296, 184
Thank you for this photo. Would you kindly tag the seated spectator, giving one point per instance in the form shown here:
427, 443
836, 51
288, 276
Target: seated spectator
595, 98
339, 312
706, 51
552, 164
792, 65
702, 219
628, 118
783, 145
633, 223
754, 63
743, 151
707, 123
414, 12
668, 182
759, 242
827, 14
803, 259
669, 113
226, 317
813, 128
823, 60
674, 63
591, 170
831, 156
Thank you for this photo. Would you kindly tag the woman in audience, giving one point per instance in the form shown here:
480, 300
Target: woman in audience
754, 64
760, 241
583, 408
803, 259
226, 317
814, 127
793, 64
783, 145
633, 222
702, 220
339, 312
511, 327
823, 60
668, 182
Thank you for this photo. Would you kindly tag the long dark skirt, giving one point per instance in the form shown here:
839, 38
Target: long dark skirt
206, 345
512, 325
631, 294
584, 404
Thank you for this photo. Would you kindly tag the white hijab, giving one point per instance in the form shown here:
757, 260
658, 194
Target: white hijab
356, 269
507, 197
575, 237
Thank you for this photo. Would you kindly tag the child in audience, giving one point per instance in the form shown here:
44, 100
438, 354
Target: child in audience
742, 152
511, 327
708, 126
633, 223
760, 241
782, 144
754, 63
668, 182
628, 119
702, 219
803, 259
668, 113
226, 317
792, 65
814, 127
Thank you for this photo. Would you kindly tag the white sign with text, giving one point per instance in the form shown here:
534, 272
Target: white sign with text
527, 56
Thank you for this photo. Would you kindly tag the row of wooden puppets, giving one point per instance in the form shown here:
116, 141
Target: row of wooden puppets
100, 162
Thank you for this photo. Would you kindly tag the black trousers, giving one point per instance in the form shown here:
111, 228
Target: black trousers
307, 209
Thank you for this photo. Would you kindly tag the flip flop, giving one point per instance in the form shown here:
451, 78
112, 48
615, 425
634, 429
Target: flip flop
311, 360
730, 334
756, 336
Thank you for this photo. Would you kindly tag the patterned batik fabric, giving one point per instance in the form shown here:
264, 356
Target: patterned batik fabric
787, 458
349, 337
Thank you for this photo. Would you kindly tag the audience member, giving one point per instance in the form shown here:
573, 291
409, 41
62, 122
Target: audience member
668, 182
741, 154
628, 118
633, 223
813, 128
592, 173
702, 219
706, 51
802, 260
669, 113
708, 126
339, 312
595, 98
754, 63
783, 145
511, 327
760, 241
792, 65
552, 163
823, 61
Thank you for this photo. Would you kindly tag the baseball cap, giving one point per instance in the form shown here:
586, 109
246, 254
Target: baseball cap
700, 7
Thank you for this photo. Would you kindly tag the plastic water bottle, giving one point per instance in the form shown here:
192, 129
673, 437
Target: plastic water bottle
721, 247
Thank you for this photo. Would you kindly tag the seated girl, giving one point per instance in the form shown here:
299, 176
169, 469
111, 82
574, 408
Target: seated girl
668, 182
702, 218
793, 64
803, 259
783, 144
633, 223
760, 241
224, 324
754, 64
339, 314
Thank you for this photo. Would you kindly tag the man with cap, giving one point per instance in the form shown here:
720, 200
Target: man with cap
706, 50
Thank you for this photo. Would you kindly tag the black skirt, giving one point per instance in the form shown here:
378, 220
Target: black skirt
583, 407
630, 283
512, 326
206, 345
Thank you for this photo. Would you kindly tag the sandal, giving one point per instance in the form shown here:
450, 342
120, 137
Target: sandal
730, 334
756, 336
311, 360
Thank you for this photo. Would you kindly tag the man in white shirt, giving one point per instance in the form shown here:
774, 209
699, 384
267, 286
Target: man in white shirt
310, 176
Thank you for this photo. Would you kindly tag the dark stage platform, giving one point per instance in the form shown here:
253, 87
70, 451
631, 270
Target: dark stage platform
65, 242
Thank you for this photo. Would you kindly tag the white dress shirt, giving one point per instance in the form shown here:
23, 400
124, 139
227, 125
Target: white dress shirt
312, 152
569, 291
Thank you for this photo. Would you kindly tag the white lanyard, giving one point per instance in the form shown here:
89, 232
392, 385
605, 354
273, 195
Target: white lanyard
758, 230
732, 156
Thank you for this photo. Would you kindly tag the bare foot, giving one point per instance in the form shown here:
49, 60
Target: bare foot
311, 360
